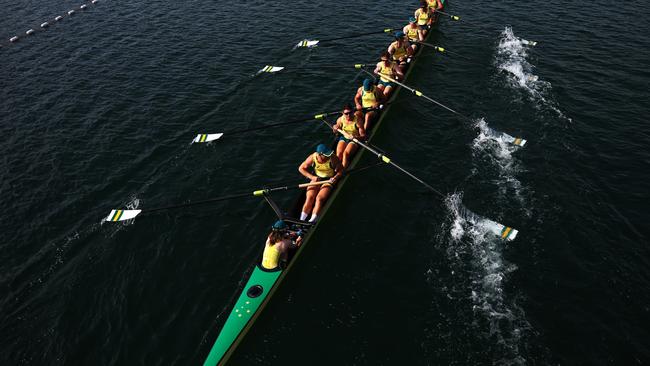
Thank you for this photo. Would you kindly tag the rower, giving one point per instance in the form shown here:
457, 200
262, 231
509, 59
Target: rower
325, 167
351, 124
278, 244
400, 50
424, 16
387, 69
413, 33
368, 96
434, 5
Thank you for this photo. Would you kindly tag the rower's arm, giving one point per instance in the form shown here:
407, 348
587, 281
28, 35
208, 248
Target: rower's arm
377, 69
357, 99
304, 169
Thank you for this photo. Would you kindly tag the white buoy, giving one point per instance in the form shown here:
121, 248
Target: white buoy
13, 39
84, 6
58, 18
71, 12
30, 32
45, 25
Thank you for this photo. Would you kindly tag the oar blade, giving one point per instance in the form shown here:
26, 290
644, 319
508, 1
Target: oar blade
270, 69
504, 232
206, 137
122, 215
529, 43
517, 141
305, 43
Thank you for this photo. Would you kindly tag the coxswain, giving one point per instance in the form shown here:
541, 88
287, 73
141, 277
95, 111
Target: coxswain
400, 50
387, 69
278, 244
351, 126
369, 97
424, 16
320, 166
413, 32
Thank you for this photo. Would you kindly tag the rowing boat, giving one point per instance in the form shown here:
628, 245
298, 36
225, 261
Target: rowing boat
262, 283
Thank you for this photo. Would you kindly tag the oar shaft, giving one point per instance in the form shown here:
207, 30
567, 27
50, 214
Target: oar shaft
420, 94
386, 159
386, 30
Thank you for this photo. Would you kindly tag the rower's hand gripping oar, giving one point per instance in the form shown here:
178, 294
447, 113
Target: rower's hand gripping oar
124, 215
513, 140
313, 43
505, 232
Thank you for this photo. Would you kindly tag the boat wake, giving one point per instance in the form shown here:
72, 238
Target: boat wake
492, 149
512, 60
475, 254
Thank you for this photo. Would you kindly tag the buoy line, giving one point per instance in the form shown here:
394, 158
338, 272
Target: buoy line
45, 25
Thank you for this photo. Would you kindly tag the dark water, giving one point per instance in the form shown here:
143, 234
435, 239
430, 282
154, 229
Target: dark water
98, 111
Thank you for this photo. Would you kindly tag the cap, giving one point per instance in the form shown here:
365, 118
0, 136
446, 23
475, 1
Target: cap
279, 225
324, 150
412, 20
399, 34
367, 84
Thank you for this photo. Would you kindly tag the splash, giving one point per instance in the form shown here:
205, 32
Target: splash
494, 149
512, 59
475, 252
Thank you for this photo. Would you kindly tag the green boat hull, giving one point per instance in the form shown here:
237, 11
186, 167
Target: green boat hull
262, 283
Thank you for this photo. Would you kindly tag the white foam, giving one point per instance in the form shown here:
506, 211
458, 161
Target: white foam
512, 58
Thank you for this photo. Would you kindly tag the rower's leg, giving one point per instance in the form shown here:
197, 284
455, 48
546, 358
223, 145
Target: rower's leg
368, 120
340, 148
387, 91
349, 152
321, 198
309, 201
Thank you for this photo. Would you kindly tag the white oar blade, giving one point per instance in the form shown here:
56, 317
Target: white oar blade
270, 69
307, 43
529, 43
517, 141
206, 137
122, 215
504, 232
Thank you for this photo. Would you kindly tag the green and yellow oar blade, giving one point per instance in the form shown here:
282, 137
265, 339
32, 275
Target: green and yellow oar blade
307, 43
270, 69
206, 137
122, 215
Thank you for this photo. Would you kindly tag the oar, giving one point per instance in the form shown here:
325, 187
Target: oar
444, 50
314, 42
207, 137
452, 17
505, 232
513, 140
123, 215
273, 69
